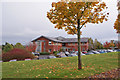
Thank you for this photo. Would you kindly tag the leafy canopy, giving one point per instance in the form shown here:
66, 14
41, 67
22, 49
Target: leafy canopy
117, 22
65, 14
19, 45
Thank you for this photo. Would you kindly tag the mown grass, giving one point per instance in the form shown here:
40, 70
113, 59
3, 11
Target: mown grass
61, 67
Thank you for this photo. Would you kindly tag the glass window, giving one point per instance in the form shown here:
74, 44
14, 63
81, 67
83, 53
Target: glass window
50, 42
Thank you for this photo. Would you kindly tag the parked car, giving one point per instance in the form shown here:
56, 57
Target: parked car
102, 51
109, 50
118, 50
50, 57
84, 52
67, 53
114, 50
77, 53
62, 56
73, 55
89, 52
95, 52
36, 54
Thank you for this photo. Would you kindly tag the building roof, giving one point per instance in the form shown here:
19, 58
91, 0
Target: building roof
62, 39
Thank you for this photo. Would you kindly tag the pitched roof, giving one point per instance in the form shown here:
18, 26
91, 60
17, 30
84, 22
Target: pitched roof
62, 39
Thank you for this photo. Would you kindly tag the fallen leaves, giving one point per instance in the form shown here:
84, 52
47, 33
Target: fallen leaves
46, 77
50, 72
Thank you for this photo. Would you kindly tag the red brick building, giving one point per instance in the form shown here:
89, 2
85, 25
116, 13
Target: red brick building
50, 44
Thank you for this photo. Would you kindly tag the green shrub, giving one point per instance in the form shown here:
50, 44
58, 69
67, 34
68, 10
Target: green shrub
7, 47
44, 53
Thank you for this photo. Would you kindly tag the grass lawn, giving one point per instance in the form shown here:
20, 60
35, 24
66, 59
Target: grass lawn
61, 67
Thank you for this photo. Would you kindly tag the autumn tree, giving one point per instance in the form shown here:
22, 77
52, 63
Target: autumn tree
72, 16
106, 45
112, 44
31, 47
117, 22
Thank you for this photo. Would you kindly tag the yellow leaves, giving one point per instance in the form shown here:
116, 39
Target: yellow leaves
106, 19
53, 4
46, 77
117, 25
65, 15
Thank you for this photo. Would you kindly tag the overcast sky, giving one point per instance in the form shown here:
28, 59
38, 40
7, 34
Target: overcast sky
24, 21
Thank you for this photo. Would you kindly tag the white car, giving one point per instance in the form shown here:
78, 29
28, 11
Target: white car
50, 57
95, 52
77, 53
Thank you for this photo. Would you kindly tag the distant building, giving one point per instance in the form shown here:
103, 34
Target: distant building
50, 44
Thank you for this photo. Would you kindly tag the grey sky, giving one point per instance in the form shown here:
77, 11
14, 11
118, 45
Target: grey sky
24, 21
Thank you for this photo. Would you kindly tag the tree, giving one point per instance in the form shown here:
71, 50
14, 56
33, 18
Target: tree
97, 44
72, 16
90, 46
106, 45
112, 43
117, 22
7, 47
19, 45
31, 47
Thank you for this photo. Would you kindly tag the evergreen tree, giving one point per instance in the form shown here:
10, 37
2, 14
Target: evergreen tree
19, 45
7, 47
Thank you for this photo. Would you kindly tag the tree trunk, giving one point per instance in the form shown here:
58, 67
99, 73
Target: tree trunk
79, 46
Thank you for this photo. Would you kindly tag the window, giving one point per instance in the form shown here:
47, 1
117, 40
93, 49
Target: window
50, 42
63, 44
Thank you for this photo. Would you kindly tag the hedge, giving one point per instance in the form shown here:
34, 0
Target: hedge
44, 53
19, 54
